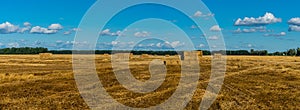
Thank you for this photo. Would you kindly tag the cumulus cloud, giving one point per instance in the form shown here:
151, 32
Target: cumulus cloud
27, 24
200, 14
67, 32
69, 44
294, 28
239, 30
7, 28
24, 29
174, 44
76, 29
114, 42
55, 27
294, 24
267, 19
276, 34
252, 30
14, 44
215, 28
71, 31
213, 38
294, 21
142, 34
201, 45
107, 32
41, 30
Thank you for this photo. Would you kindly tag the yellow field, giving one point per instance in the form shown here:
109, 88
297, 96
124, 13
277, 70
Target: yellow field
28, 82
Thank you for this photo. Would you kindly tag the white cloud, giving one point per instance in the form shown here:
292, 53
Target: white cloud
107, 32
24, 29
294, 28
268, 18
41, 30
142, 34
114, 42
201, 45
294, 24
67, 33
55, 27
26, 24
248, 30
198, 14
174, 44
7, 28
76, 29
294, 21
252, 30
249, 45
194, 27
213, 38
215, 28
71, 31
277, 34
14, 44
59, 44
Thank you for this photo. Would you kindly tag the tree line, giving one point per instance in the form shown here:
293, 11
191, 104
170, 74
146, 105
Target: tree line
37, 50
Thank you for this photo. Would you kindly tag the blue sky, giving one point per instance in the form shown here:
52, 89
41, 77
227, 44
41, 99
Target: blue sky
270, 25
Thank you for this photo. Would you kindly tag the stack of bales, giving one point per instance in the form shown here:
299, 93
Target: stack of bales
45, 56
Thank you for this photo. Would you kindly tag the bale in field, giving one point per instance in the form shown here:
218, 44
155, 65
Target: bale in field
45, 56
200, 53
217, 56
121, 56
189, 55
106, 55
144, 56
131, 56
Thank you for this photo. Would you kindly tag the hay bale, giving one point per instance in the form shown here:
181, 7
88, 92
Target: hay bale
105, 60
189, 55
121, 56
172, 62
106, 55
45, 56
200, 53
144, 56
131, 56
217, 56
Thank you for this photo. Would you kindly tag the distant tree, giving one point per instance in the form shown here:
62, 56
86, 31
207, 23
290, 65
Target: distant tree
298, 51
251, 51
291, 52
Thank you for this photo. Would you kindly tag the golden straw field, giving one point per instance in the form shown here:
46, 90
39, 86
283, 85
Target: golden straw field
251, 82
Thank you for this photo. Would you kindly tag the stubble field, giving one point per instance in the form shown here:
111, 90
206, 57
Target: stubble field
251, 82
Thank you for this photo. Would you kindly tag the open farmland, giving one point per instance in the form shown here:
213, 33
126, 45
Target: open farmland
251, 82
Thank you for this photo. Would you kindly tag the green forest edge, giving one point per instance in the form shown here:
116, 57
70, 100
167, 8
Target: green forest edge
37, 50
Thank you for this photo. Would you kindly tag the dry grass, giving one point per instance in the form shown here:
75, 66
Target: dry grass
28, 82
